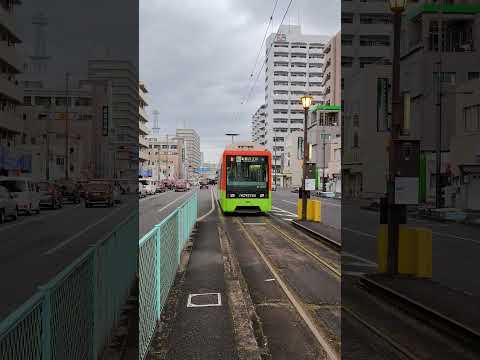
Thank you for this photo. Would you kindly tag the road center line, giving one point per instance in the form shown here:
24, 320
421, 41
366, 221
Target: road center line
71, 238
173, 202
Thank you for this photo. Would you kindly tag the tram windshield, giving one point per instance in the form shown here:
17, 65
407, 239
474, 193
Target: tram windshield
247, 172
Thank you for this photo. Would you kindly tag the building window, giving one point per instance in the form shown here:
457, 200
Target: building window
447, 78
473, 75
471, 116
347, 18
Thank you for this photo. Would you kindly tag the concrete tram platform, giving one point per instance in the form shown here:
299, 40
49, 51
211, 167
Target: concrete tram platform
199, 323
451, 310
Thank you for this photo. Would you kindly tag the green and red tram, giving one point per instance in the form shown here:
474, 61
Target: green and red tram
245, 179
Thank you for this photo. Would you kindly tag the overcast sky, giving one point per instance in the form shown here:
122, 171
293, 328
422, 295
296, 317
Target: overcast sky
196, 58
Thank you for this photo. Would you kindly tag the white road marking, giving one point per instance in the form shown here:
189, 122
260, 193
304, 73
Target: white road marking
71, 238
152, 197
211, 210
359, 258
174, 201
268, 280
290, 202
37, 218
359, 232
191, 296
284, 211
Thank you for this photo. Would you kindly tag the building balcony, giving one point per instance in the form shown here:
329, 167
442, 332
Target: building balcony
143, 113
9, 55
280, 78
142, 142
7, 20
11, 89
143, 128
11, 121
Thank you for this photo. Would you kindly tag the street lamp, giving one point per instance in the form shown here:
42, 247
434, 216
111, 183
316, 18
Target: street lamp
306, 103
397, 7
233, 136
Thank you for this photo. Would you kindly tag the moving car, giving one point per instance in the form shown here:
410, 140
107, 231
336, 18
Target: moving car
203, 184
50, 195
25, 193
181, 185
99, 193
142, 192
8, 205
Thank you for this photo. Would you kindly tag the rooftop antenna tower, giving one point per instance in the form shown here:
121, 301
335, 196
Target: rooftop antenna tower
156, 128
39, 59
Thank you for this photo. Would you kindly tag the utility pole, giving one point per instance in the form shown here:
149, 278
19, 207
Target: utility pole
67, 150
438, 139
324, 186
394, 209
166, 167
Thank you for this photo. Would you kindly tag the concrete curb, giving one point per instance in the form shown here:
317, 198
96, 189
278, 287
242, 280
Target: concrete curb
325, 239
435, 318
242, 310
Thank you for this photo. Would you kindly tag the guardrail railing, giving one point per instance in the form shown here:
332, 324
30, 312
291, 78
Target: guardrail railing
74, 314
159, 257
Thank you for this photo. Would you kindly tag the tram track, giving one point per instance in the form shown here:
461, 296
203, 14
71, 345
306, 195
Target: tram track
301, 307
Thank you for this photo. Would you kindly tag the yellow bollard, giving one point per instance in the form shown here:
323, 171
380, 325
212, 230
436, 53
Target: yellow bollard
314, 210
414, 251
382, 248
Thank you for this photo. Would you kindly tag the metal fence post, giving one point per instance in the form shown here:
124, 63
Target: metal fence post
95, 302
46, 324
158, 270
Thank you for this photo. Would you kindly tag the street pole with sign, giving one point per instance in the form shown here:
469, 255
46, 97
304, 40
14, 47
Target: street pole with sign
67, 130
306, 103
394, 210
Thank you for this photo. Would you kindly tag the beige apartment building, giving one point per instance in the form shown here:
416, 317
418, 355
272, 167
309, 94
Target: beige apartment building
166, 157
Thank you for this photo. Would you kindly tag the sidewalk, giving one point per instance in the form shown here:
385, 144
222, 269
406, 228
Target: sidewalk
451, 309
199, 329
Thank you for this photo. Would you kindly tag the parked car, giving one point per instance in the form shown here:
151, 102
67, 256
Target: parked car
99, 193
181, 185
142, 192
50, 195
70, 191
203, 184
150, 186
161, 187
25, 193
8, 205
117, 191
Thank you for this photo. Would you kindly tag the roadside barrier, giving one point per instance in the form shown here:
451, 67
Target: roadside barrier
73, 315
159, 256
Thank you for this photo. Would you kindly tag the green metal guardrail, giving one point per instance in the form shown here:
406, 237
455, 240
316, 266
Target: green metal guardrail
159, 257
73, 315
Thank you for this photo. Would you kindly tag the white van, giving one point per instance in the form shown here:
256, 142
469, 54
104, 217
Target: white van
150, 187
25, 193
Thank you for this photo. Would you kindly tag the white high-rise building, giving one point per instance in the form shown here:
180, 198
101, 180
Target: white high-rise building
11, 93
259, 130
293, 68
192, 153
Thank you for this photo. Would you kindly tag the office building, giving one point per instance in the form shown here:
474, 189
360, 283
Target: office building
166, 157
192, 151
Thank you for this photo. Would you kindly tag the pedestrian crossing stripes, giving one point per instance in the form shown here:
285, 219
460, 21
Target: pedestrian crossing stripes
283, 214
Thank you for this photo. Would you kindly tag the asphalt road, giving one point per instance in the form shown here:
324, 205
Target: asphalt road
35, 248
456, 247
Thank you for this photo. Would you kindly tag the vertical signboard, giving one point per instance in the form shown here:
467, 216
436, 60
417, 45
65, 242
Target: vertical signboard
383, 105
105, 120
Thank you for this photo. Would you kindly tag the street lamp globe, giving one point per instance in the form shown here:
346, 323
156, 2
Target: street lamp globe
397, 6
306, 101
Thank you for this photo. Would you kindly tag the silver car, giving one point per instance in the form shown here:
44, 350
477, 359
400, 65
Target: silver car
25, 193
8, 206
